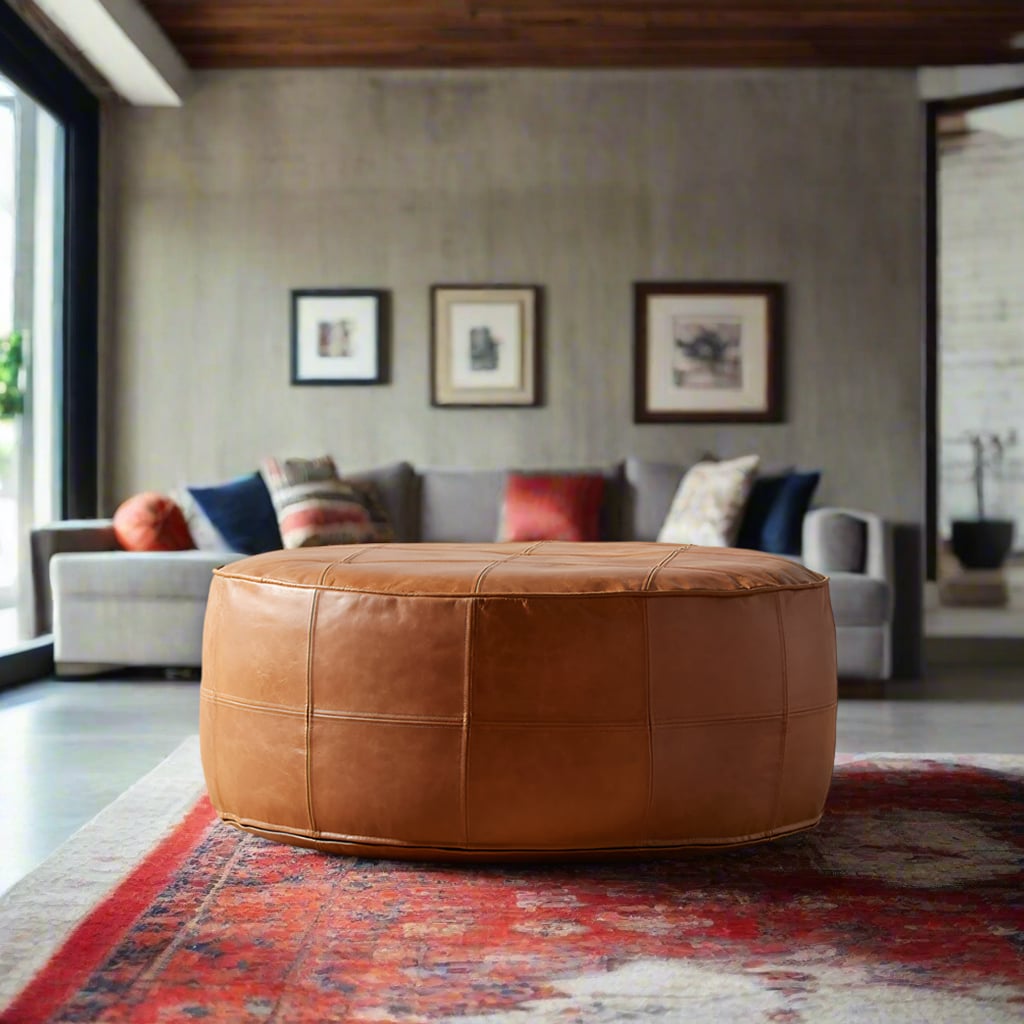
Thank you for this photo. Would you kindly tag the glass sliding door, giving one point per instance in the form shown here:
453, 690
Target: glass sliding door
32, 260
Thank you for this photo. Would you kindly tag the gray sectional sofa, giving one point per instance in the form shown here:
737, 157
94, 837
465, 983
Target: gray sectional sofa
110, 608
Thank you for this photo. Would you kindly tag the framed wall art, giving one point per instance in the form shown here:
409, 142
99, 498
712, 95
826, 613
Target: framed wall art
707, 352
339, 336
485, 345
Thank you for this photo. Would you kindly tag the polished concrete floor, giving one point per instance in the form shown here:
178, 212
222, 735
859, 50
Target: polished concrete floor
67, 749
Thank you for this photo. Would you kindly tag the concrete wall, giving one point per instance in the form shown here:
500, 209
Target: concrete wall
981, 323
581, 182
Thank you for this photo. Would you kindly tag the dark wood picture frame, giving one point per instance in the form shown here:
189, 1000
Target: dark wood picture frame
378, 370
770, 410
444, 391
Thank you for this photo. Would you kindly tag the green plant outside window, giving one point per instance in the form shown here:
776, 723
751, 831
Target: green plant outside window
12, 401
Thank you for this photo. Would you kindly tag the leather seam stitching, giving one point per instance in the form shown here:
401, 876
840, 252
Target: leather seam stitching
314, 604
518, 596
207, 687
503, 561
483, 572
292, 710
654, 568
785, 713
497, 723
467, 697
648, 810
339, 838
355, 554
685, 723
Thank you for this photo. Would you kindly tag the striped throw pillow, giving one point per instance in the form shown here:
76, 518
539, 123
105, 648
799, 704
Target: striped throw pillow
315, 506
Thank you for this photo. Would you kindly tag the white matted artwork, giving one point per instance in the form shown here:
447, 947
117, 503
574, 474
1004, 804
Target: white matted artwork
338, 336
707, 352
485, 345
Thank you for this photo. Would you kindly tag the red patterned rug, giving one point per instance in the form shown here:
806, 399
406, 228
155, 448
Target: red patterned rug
905, 905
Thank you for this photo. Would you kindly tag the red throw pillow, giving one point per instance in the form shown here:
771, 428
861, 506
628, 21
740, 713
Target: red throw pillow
151, 522
550, 506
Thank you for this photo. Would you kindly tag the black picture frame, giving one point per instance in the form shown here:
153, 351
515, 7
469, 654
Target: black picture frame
326, 324
651, 337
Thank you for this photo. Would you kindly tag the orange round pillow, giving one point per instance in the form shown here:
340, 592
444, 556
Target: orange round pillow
151, 522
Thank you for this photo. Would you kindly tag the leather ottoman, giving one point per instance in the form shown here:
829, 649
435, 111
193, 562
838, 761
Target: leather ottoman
503, 701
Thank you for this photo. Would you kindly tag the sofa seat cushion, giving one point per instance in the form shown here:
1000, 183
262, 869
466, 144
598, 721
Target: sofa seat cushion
142, 575
859, 600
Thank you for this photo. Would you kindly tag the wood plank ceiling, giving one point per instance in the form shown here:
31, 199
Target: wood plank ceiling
591, 33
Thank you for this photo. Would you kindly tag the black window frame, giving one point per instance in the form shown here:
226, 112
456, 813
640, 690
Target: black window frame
29, 63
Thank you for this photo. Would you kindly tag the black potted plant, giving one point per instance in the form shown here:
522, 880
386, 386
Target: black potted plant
984, 543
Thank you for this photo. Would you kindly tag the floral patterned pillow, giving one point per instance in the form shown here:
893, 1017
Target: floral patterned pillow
708, 506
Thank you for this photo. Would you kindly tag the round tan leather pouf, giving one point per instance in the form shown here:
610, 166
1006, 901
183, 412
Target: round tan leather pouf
518, 700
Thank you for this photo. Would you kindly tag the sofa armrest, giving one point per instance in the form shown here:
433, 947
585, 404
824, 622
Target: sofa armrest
71, 535
848, 540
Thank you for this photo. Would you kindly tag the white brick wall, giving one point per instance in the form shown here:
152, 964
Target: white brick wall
981, 318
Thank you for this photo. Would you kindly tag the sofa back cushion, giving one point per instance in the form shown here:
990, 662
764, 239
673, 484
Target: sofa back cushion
397, 487
461, 505
647, 496
464, 505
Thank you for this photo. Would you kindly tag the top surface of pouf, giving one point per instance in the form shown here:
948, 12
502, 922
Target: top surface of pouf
518, 700
543, 567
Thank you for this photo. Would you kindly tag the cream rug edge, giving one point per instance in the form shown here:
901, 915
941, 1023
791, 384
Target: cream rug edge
38, 913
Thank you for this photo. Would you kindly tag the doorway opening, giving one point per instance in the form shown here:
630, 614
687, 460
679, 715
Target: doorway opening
976, 372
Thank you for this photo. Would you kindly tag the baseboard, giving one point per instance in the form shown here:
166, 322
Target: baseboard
862, 689
89, 670
26, 662
974, 651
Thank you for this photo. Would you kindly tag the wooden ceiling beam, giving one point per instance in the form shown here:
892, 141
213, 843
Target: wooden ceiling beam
573, 33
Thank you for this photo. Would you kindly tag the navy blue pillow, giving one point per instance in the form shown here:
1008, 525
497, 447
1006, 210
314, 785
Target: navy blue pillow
759, 506
781, 533
242, 512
